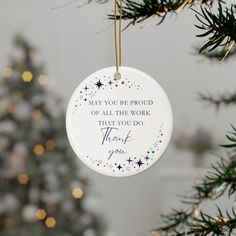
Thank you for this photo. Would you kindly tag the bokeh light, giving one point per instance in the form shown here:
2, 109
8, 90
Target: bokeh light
49, 144
50, 222
42, 80
39, 149
37, 115
27, 76
7, 72
41, 214
23, 179
77, 193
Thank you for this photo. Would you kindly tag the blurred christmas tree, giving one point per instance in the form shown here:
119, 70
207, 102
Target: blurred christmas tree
41, 190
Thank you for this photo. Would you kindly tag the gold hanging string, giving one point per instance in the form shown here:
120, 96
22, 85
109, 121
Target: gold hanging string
117, 44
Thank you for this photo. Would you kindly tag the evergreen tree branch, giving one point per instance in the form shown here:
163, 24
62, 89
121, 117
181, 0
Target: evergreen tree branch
193, 221
222, 177
215, 55
219, 100
182, 223
220, 29
137, 12
175, 221
231, 136
217, 225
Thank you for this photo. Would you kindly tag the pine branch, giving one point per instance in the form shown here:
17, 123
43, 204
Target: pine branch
215, 55
182, 223
219, 100
209, 225
231, 136
216, 182
175, 221
137, 12
222, 177
193, 221
220, 28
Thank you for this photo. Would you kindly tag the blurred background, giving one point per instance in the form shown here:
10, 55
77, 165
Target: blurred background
46, 51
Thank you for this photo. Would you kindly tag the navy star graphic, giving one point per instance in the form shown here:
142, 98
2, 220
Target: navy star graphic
139, 163
86, 88
119, 167
99, 84
146, 158
110, 82
129, 160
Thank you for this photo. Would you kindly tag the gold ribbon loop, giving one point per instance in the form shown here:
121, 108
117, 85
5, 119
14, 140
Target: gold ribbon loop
117, 40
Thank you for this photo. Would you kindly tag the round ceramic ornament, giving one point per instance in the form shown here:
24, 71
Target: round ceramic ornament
119, 127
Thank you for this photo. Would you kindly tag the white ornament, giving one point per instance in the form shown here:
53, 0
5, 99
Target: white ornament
119, 127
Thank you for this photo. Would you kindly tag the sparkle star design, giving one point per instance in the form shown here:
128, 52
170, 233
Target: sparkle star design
119, 167
129, 160
146, 158
139, 163
99, 84
86, 88
110, 82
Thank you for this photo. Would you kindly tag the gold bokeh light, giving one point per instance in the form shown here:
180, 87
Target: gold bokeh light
50, 145
50, 222
39, 149
77, 193
41, 214
27, 76
23, 179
